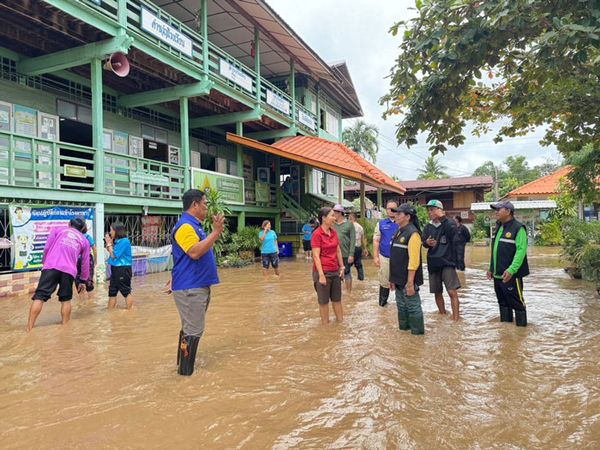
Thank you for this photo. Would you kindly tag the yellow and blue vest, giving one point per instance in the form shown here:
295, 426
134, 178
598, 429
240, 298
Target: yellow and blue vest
191, 273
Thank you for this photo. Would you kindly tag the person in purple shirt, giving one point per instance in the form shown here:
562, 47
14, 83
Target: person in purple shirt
59, 268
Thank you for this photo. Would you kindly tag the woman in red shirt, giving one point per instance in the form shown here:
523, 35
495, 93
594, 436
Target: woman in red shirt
328, 268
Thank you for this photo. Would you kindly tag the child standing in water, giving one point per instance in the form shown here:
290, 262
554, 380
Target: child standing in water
120, 261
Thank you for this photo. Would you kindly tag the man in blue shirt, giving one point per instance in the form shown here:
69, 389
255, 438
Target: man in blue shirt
194, 272
382, 245
269, 248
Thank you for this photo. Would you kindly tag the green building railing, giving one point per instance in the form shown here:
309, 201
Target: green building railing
110, 10
41, 163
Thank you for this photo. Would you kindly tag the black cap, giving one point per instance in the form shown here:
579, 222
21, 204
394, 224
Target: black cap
505, 204
406, 209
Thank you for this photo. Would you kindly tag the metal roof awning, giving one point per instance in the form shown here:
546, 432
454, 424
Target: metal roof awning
529, 204
332, 200
324, 155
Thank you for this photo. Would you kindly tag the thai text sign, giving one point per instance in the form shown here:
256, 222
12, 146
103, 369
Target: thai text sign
234, 74
231, 188
30, 227
305, 119
166, 33
278, 102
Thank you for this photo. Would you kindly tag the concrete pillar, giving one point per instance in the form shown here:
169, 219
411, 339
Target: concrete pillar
99, 239
97, 124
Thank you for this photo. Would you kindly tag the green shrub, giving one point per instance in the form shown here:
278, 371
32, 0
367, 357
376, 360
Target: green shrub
233, 260
549, 233
244, 240
581, 247
216, 206
369, 227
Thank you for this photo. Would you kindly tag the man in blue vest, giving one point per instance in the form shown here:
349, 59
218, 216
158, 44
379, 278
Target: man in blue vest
509, 264
194, 272
382, 244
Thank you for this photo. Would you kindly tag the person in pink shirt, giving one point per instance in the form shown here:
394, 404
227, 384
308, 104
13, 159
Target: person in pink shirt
59, 268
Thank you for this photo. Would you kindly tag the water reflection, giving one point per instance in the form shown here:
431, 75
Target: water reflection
269, 376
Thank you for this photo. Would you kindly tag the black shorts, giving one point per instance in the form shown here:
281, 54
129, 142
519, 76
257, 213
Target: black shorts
332, 290
306, 246
49, 279
120, 281
270, 258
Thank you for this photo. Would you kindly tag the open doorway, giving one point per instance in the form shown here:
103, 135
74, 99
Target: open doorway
78, 133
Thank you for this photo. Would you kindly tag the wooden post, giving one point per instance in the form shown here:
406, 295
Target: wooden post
362, 199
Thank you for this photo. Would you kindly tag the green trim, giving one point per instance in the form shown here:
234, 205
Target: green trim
184, 116
204, 19
257, 64
165, 95
97, 124
86, 14
252, 210
164, 56
74, 57
223, 119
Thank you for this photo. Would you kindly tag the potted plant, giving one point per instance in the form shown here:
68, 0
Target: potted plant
245, 242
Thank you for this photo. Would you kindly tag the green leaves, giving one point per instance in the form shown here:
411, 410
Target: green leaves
545, 56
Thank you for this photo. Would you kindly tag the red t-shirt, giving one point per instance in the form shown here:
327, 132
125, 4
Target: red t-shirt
328, 245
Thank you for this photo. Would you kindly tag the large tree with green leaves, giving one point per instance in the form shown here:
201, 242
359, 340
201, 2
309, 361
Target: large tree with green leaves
433, 170
361, 137
531, 63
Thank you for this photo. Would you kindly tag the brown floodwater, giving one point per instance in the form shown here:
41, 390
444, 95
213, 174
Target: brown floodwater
269, 376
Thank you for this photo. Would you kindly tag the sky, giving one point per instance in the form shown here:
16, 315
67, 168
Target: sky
356, 31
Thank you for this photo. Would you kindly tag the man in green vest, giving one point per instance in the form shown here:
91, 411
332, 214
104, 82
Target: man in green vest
509, 264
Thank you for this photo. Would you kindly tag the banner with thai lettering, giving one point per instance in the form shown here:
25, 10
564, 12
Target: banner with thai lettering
31, 225
231, 188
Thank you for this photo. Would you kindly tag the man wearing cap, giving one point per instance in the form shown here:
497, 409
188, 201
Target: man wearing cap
509, 264
438, 237
406, 272
347, 237
65, 245
382, 244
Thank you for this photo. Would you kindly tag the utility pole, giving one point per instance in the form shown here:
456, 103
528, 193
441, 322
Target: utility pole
496, 183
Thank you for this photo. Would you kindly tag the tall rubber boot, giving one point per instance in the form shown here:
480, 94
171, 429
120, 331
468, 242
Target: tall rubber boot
188, 347
417, 325
384, 293
521, 318
403, 319
361, 274
179, 346
506, 314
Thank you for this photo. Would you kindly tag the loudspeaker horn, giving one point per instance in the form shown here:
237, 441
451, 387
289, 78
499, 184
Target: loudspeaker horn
117, 63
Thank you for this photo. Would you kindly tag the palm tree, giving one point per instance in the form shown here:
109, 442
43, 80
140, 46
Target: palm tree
433, 170
362, 139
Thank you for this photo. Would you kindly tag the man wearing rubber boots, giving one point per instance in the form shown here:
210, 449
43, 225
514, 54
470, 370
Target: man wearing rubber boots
194, 272
382, 243
509, 264
406, 271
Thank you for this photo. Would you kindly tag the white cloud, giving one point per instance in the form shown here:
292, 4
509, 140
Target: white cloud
356, 31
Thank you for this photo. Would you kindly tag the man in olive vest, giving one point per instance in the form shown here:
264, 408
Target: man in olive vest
509, 264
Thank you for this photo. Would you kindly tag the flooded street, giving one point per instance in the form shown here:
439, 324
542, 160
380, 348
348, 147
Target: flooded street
269, 376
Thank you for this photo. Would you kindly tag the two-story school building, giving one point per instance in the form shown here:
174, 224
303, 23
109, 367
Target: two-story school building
119, 106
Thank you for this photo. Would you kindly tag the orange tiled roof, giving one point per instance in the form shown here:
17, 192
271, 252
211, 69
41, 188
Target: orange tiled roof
323, 154
547, 185
337, 153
